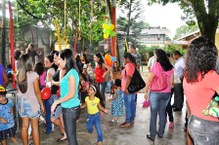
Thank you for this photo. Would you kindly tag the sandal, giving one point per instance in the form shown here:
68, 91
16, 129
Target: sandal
149, 137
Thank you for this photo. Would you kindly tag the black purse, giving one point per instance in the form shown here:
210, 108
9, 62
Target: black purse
137, 83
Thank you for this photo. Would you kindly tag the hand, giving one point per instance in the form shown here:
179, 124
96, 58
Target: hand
54, 105
3, 120
42, 108
126, 91
49, 84
146, 97
106, 111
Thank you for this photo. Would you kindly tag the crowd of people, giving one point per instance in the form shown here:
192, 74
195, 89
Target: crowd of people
76, 85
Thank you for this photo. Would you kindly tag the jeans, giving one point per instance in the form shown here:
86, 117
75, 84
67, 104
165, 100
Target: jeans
48, 103
158, 104
203, 132
95, 120
102, 88
130, 106
178, 96
70, 116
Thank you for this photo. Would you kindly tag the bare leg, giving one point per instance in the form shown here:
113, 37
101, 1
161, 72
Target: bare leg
14, 140
63, 127
35, 131
24, 128
4, 142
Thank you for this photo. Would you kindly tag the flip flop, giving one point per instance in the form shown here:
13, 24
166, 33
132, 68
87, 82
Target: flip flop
61, 139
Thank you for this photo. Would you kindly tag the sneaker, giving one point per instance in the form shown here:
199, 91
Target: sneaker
171, 125
124, 124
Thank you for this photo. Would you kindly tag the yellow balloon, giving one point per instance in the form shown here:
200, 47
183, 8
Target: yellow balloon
111, 27
105, 36
104, 26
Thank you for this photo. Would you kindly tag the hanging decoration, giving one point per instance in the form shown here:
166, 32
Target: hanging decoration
126, 45
79, 20
91, 19
108, 30
58, 34
12, 44
65, 17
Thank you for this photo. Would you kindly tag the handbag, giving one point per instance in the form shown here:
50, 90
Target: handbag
159, 82
137, 83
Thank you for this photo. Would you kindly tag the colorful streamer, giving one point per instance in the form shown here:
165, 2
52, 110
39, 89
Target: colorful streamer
58, 34
12, 44
126, 45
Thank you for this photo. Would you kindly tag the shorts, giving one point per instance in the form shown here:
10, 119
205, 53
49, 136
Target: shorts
27, 110
58, 110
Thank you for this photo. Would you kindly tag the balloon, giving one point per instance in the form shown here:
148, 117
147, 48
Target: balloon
105, 36
58, 92
111, 27
113, 34
108, 60
104, 26
113, 58
46, 93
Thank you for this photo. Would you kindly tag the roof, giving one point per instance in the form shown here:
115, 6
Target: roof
155, 30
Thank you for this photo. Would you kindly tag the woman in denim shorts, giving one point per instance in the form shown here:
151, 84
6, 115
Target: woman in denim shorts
200, 84
29, 99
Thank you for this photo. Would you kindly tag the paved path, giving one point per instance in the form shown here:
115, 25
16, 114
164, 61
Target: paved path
114, 135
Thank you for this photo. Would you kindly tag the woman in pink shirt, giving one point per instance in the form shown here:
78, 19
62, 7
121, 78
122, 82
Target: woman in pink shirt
159, 98
129, 98
200, 84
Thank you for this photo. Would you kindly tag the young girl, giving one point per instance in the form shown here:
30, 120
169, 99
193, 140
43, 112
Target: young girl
92, 102
29, 99
117, 102
7, 125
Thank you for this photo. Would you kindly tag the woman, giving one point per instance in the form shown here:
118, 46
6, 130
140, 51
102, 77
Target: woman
57, 118
159, 98
200, 84
29, 99
129, 99
51, 69
101, 70
69, 95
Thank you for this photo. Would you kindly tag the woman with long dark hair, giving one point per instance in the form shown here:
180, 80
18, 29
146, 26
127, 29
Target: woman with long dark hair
101, 70
29, 99
200, 84
69, 100
159, 98
129, 98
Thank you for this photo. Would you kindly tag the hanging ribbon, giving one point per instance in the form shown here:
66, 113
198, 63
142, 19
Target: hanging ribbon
65, 39
126, 45
79, 20
58, 34
91, 20
12, 44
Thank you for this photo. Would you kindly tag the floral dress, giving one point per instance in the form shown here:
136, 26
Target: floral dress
117, 105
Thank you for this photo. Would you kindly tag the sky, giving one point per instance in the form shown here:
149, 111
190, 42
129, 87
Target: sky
164, 16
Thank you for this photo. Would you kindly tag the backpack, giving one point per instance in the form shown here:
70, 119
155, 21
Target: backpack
159, 82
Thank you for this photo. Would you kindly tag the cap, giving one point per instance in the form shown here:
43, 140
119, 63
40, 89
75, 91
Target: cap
2, 90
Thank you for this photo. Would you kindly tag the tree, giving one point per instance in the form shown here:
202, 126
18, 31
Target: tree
185, 29
32, 12
205, 11
133, 10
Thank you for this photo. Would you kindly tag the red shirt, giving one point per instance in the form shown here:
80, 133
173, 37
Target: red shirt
99, 71
199, 94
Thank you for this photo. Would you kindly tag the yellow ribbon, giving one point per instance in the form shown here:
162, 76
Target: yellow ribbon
58, 34
126, 45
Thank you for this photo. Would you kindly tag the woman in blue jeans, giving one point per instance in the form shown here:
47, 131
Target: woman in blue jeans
159, 98
69, 100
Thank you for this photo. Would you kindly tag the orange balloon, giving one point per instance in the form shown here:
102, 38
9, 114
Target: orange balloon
108, 60
46, 93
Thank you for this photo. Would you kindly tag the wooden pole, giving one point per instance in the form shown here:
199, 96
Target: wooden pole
113, 48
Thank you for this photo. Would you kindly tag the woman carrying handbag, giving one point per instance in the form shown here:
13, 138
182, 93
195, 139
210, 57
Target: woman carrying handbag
159, 83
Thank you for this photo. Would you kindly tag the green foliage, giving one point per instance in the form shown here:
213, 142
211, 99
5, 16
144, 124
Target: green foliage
185, 29
32, 12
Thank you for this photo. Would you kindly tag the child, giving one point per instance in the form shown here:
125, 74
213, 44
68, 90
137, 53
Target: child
7, 124
92, 102
117, 102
